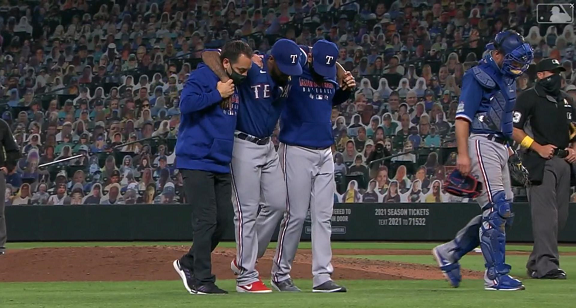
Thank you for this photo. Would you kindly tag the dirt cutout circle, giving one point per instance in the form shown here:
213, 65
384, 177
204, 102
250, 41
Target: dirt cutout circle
155, 263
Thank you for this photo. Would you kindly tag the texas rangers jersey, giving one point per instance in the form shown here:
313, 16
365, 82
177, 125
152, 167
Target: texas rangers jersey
306, 120
261, 102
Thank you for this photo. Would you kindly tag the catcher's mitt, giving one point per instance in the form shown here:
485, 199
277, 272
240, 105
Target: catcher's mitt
462, 186
517, 171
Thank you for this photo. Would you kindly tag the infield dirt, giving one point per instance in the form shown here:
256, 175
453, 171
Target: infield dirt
155, 263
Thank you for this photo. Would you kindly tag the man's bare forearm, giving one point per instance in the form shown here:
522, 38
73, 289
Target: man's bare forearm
340, 73
462, 134
518, 135
212, 60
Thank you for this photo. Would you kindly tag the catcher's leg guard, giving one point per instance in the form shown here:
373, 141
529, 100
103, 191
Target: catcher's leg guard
467, 239
447, 255
493, 244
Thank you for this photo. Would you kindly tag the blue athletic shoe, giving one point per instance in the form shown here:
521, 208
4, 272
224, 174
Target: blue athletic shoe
450, 270
503, 283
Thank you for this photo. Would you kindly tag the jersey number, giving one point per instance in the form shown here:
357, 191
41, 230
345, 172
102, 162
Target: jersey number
516, 117
569, 115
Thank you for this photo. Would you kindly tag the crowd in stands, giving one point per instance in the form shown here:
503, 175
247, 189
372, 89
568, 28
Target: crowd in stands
98, 83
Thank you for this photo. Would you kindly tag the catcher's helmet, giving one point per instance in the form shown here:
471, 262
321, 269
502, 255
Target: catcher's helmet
462, 186
517, 53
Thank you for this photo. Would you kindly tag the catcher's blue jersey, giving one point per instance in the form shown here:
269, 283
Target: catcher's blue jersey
487, 99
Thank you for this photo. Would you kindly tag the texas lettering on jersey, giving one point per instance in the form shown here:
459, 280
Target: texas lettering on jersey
263, 90
284, 91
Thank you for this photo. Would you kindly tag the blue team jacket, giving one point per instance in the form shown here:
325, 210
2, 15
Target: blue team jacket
206, 132
307, 116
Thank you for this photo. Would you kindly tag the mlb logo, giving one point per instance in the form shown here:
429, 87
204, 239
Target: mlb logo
555, 13
319, 96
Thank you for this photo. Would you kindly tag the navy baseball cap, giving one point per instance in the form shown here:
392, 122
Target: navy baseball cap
286, 53
324, 56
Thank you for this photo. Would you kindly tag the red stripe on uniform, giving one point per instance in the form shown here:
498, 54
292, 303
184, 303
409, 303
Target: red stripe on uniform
283, 231
240, 221
483, 171
484, 176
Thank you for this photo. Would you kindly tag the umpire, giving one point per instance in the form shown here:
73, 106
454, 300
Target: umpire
8, 160
203, 155
542, 123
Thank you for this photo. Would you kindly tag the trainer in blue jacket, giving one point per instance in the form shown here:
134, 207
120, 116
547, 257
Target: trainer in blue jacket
203, 154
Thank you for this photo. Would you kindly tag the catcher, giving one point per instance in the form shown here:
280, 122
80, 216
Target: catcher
483, 129
543, 127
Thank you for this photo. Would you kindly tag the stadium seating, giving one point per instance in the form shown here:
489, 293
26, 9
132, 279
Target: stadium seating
96, 86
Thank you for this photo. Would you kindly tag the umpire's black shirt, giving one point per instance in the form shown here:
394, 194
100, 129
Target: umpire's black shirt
546, 119
545, 116
10, 152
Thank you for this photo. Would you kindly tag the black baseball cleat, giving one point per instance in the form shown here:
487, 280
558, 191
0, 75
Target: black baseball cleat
285, 286
209, 289
328, 287
186, 275
553, 274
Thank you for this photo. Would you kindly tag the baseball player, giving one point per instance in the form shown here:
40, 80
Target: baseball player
483, 128
256, 176
306, 159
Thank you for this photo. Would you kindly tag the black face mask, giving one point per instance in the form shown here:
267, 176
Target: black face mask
236, 77
551, 84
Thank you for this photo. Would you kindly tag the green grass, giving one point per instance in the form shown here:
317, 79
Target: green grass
475, 261
363, 293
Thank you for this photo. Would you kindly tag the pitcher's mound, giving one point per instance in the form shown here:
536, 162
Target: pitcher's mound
155, 263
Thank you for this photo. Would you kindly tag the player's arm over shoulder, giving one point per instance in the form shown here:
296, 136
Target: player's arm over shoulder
473, 88
305, 54
211, 57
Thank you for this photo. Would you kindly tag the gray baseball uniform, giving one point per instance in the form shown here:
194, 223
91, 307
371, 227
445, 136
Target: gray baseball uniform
306, 158
256, 180
309, 175
489, 162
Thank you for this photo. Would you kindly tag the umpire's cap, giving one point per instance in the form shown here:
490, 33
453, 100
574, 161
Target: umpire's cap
549, 64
